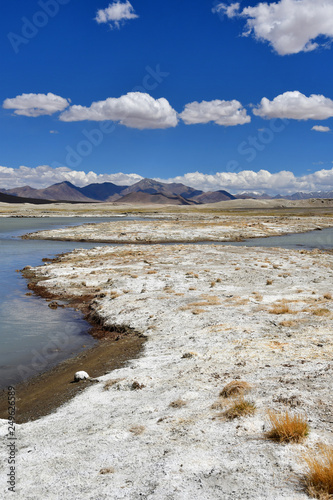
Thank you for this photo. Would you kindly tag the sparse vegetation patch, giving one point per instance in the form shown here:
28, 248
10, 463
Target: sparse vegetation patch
287, 427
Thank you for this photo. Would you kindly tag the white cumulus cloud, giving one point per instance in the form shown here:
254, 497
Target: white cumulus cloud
290, 26
295, 106
116, 14
36, 104
227, 113
134, 110
320, 128
283, 182
43, 176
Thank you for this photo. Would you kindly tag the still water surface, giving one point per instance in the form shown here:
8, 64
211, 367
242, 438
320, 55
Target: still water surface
32, 336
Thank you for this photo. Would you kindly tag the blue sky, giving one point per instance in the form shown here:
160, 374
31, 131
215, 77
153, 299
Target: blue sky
149, 66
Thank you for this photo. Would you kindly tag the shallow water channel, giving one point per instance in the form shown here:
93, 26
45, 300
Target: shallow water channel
34, 337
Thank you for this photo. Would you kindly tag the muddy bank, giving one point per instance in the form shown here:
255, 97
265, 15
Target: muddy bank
212, 315
43, 393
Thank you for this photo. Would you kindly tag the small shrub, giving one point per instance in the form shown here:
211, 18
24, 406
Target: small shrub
286, 427
235, 388
269, 282
318, 477
328, 296
240, 408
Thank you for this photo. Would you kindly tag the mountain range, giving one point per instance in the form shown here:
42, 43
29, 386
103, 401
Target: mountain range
146, 191
143, 192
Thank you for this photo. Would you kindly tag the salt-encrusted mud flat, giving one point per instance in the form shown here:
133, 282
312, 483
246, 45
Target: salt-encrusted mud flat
187, 228
211, 314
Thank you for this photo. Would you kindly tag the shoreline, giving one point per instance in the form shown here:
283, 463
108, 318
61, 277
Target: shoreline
44, 392
129, 342
29, 236
211, 314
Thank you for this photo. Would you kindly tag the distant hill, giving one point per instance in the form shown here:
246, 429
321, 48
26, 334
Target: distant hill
159, 192
8, 198
306, 196
173, 193
213, 197
153, 187
254, 196
62, 191
140, 197
106, 191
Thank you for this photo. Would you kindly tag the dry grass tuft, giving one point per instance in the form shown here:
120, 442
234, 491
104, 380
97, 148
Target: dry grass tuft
240, 408
288, 323
110, 383
321, 312
328, 296
136, 386
189, 355
107, 470
281, 309
269, 282
235, 388
318, 477
137, 429
287, 428
179, 403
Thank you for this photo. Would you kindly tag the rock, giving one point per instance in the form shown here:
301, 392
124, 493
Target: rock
81, 376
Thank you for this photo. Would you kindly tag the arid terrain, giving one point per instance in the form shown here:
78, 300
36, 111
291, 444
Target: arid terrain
158, 428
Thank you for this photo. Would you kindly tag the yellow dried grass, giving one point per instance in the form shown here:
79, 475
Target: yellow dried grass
287, 427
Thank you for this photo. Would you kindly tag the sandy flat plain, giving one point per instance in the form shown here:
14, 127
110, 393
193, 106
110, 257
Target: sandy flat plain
211, 314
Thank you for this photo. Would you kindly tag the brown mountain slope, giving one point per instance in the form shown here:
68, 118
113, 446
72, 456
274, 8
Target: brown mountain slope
60, 191
154, 187
9, 198
158, 198
213, 197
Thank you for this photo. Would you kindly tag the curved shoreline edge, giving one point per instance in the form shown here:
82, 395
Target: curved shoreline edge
43, 393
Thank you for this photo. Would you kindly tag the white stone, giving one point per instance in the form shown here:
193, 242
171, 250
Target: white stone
80, 376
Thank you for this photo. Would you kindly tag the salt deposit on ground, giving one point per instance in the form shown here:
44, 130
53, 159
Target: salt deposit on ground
189, 227
211, 316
